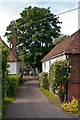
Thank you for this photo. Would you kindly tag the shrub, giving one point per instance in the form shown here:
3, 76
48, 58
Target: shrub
5, 53
43, 80
12, 85
71, 107
59, 76
21, 77
79, 107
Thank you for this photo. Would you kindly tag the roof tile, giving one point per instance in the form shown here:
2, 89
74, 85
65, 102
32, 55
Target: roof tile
11, 56
70, 45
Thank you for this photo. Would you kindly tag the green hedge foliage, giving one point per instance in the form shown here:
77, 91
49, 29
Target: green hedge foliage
5, 66
21, 77
12, 85
59, 76
43, 80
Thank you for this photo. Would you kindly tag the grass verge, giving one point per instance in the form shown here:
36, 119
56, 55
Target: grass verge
7, 101
53, 97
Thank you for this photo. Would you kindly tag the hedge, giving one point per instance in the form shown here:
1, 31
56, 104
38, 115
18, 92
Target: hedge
5, 66
12, 85
43, 80
21, 77
59, 76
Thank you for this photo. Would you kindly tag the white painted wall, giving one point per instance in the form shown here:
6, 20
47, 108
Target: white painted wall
18, 68
14, 68
62, 57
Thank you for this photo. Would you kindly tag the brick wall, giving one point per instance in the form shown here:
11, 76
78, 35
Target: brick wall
73, 90
74, 83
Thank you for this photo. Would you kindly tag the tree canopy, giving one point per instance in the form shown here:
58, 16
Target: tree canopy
60, 39
36, 29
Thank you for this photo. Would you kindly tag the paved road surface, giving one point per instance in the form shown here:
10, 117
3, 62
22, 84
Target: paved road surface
32, 103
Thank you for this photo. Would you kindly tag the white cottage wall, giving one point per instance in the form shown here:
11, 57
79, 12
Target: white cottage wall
14, 68
46, 65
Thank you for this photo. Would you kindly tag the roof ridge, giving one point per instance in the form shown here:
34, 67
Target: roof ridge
14, 54
16, 58
67, 44
4, 42
75, 37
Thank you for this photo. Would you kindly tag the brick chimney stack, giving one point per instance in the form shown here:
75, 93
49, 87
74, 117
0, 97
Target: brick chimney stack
14, 41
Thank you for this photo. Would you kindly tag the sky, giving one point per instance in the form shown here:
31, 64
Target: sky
11, 9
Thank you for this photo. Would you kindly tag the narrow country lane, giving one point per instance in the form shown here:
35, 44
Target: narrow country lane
32, 103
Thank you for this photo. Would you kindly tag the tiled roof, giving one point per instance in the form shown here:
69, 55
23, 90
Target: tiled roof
11, 56
70, 45
3, 43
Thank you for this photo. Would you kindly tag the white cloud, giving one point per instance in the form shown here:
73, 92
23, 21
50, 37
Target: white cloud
39, 1
5, 18
69, 22
14, 0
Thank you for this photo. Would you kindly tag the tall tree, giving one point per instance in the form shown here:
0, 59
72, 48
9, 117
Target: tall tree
60, 39
36, 29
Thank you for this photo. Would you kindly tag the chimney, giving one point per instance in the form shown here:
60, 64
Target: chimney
14, 41
79, 15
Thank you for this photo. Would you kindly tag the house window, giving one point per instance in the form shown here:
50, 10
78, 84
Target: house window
45, 65
49, 63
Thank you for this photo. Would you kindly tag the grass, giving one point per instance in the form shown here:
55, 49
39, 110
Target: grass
53, 97
7, 101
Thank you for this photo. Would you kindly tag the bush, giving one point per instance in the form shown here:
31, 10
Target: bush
79, 107
5, 66
59, 76
12, 85
43, 80
71, 107
21, 77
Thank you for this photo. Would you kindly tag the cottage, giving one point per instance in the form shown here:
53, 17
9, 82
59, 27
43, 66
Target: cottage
13, 59
68, 49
